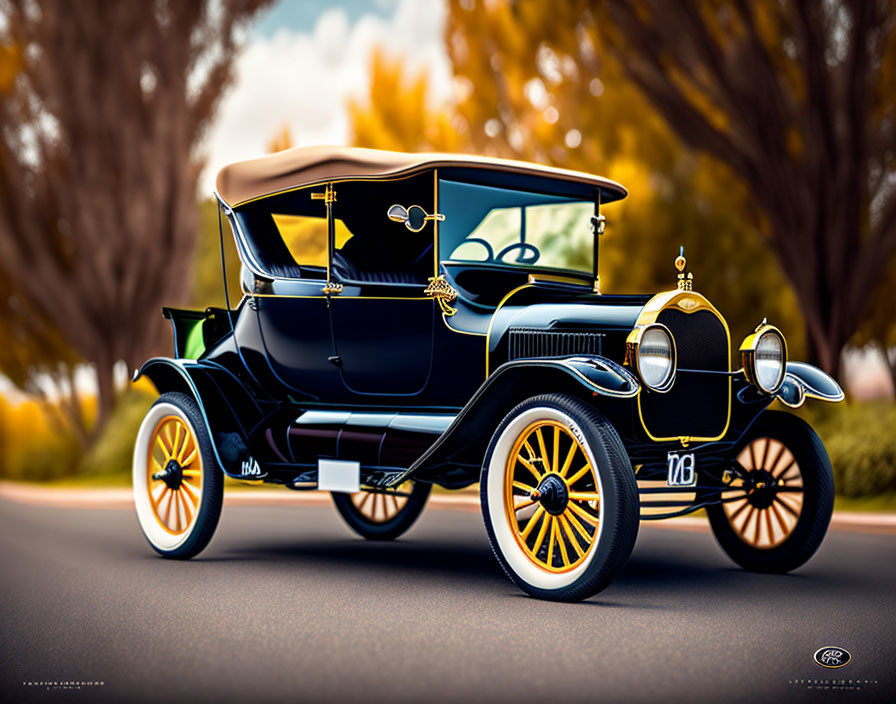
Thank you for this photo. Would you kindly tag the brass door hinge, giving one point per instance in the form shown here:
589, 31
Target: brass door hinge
443, 292
327, 196
332, 288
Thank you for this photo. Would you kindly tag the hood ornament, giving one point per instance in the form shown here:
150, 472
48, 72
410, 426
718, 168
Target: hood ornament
685, 281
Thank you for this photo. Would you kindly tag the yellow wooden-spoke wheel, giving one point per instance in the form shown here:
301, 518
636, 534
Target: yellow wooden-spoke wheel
775, 513
551, 496
765, 504
178, 487
559, 498
174, 475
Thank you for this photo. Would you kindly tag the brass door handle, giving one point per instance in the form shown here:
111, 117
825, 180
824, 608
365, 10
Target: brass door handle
443, 292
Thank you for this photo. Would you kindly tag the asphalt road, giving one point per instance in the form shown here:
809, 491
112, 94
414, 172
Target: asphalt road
287, 605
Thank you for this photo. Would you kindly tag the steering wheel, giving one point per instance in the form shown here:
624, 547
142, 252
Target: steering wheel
488, 248
521, 259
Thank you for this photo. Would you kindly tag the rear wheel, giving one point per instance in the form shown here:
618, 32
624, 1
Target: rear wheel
178, 488
777, 513
383, 515
559, 498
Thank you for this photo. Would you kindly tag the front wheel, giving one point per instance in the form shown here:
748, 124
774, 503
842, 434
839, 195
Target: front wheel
178, 488
559, 498
383, 515
777, 511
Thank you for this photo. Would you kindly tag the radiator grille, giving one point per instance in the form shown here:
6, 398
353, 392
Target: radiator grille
697, 404
529, 342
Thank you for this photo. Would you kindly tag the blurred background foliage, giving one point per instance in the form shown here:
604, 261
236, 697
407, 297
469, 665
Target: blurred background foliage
543, 82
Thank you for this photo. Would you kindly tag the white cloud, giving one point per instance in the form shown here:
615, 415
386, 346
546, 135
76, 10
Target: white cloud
304, 80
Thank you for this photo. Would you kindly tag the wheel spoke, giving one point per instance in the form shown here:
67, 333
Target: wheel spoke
166, 431
544, 451
555, 462
584, 496
568, 461
531, 467
768, 525
783, 472
524, 487
364, 501
561, 543
188, 507
736, 513
524, 504
578, 475
787, 507
550, 561
189, 459
175, 444
765, 449
533, 521
753, 464
572, 538
571, 517
189, 491
756, 527
158, 500
583, 514
780, 519
164, 448
539, 539
773, 465
746, 522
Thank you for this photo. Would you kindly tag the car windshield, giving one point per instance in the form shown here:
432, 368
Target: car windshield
520, 228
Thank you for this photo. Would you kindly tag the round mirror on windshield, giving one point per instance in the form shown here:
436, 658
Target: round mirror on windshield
416, 218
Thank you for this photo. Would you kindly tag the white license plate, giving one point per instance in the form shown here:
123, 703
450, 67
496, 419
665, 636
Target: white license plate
682, 469
337, 475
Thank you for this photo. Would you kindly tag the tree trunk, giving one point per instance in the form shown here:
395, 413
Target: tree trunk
889, 360
105, 397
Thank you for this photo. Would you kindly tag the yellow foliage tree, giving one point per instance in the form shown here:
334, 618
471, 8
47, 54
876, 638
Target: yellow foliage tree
513, 99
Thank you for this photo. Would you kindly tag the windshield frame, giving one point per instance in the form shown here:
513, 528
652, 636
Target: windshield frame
516, 198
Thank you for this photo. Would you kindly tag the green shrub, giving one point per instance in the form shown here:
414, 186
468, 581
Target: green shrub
112, 453
861, 441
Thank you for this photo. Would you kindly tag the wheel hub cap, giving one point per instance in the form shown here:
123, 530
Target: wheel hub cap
553, 494
762, 491
172, 475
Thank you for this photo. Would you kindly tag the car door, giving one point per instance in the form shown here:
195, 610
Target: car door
382, 319
384, 338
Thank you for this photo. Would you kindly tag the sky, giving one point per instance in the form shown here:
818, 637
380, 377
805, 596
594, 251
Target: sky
304, 59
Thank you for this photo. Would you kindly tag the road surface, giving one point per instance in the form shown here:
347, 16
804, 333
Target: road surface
287, 605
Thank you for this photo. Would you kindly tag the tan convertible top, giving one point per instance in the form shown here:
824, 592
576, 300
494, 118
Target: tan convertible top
293, 168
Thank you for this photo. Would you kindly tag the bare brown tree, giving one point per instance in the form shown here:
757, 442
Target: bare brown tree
99, 162
798, 97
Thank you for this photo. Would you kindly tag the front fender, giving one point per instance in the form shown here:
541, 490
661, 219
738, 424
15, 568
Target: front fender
460, 449
802, 381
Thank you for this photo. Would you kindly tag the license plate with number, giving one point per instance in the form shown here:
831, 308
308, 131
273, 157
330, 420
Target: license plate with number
682, 469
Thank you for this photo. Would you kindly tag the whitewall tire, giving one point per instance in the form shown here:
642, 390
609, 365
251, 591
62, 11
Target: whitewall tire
178, 487
559, 498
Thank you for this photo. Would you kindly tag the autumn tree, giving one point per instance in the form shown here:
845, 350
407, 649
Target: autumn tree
99, 160
517, 98
798, 98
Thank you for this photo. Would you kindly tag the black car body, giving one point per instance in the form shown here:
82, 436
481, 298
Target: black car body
398, 338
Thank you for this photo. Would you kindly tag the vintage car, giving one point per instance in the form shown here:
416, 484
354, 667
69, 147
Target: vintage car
411, 320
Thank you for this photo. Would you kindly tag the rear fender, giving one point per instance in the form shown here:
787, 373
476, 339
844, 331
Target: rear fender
802, 381
455, 458
229, 411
